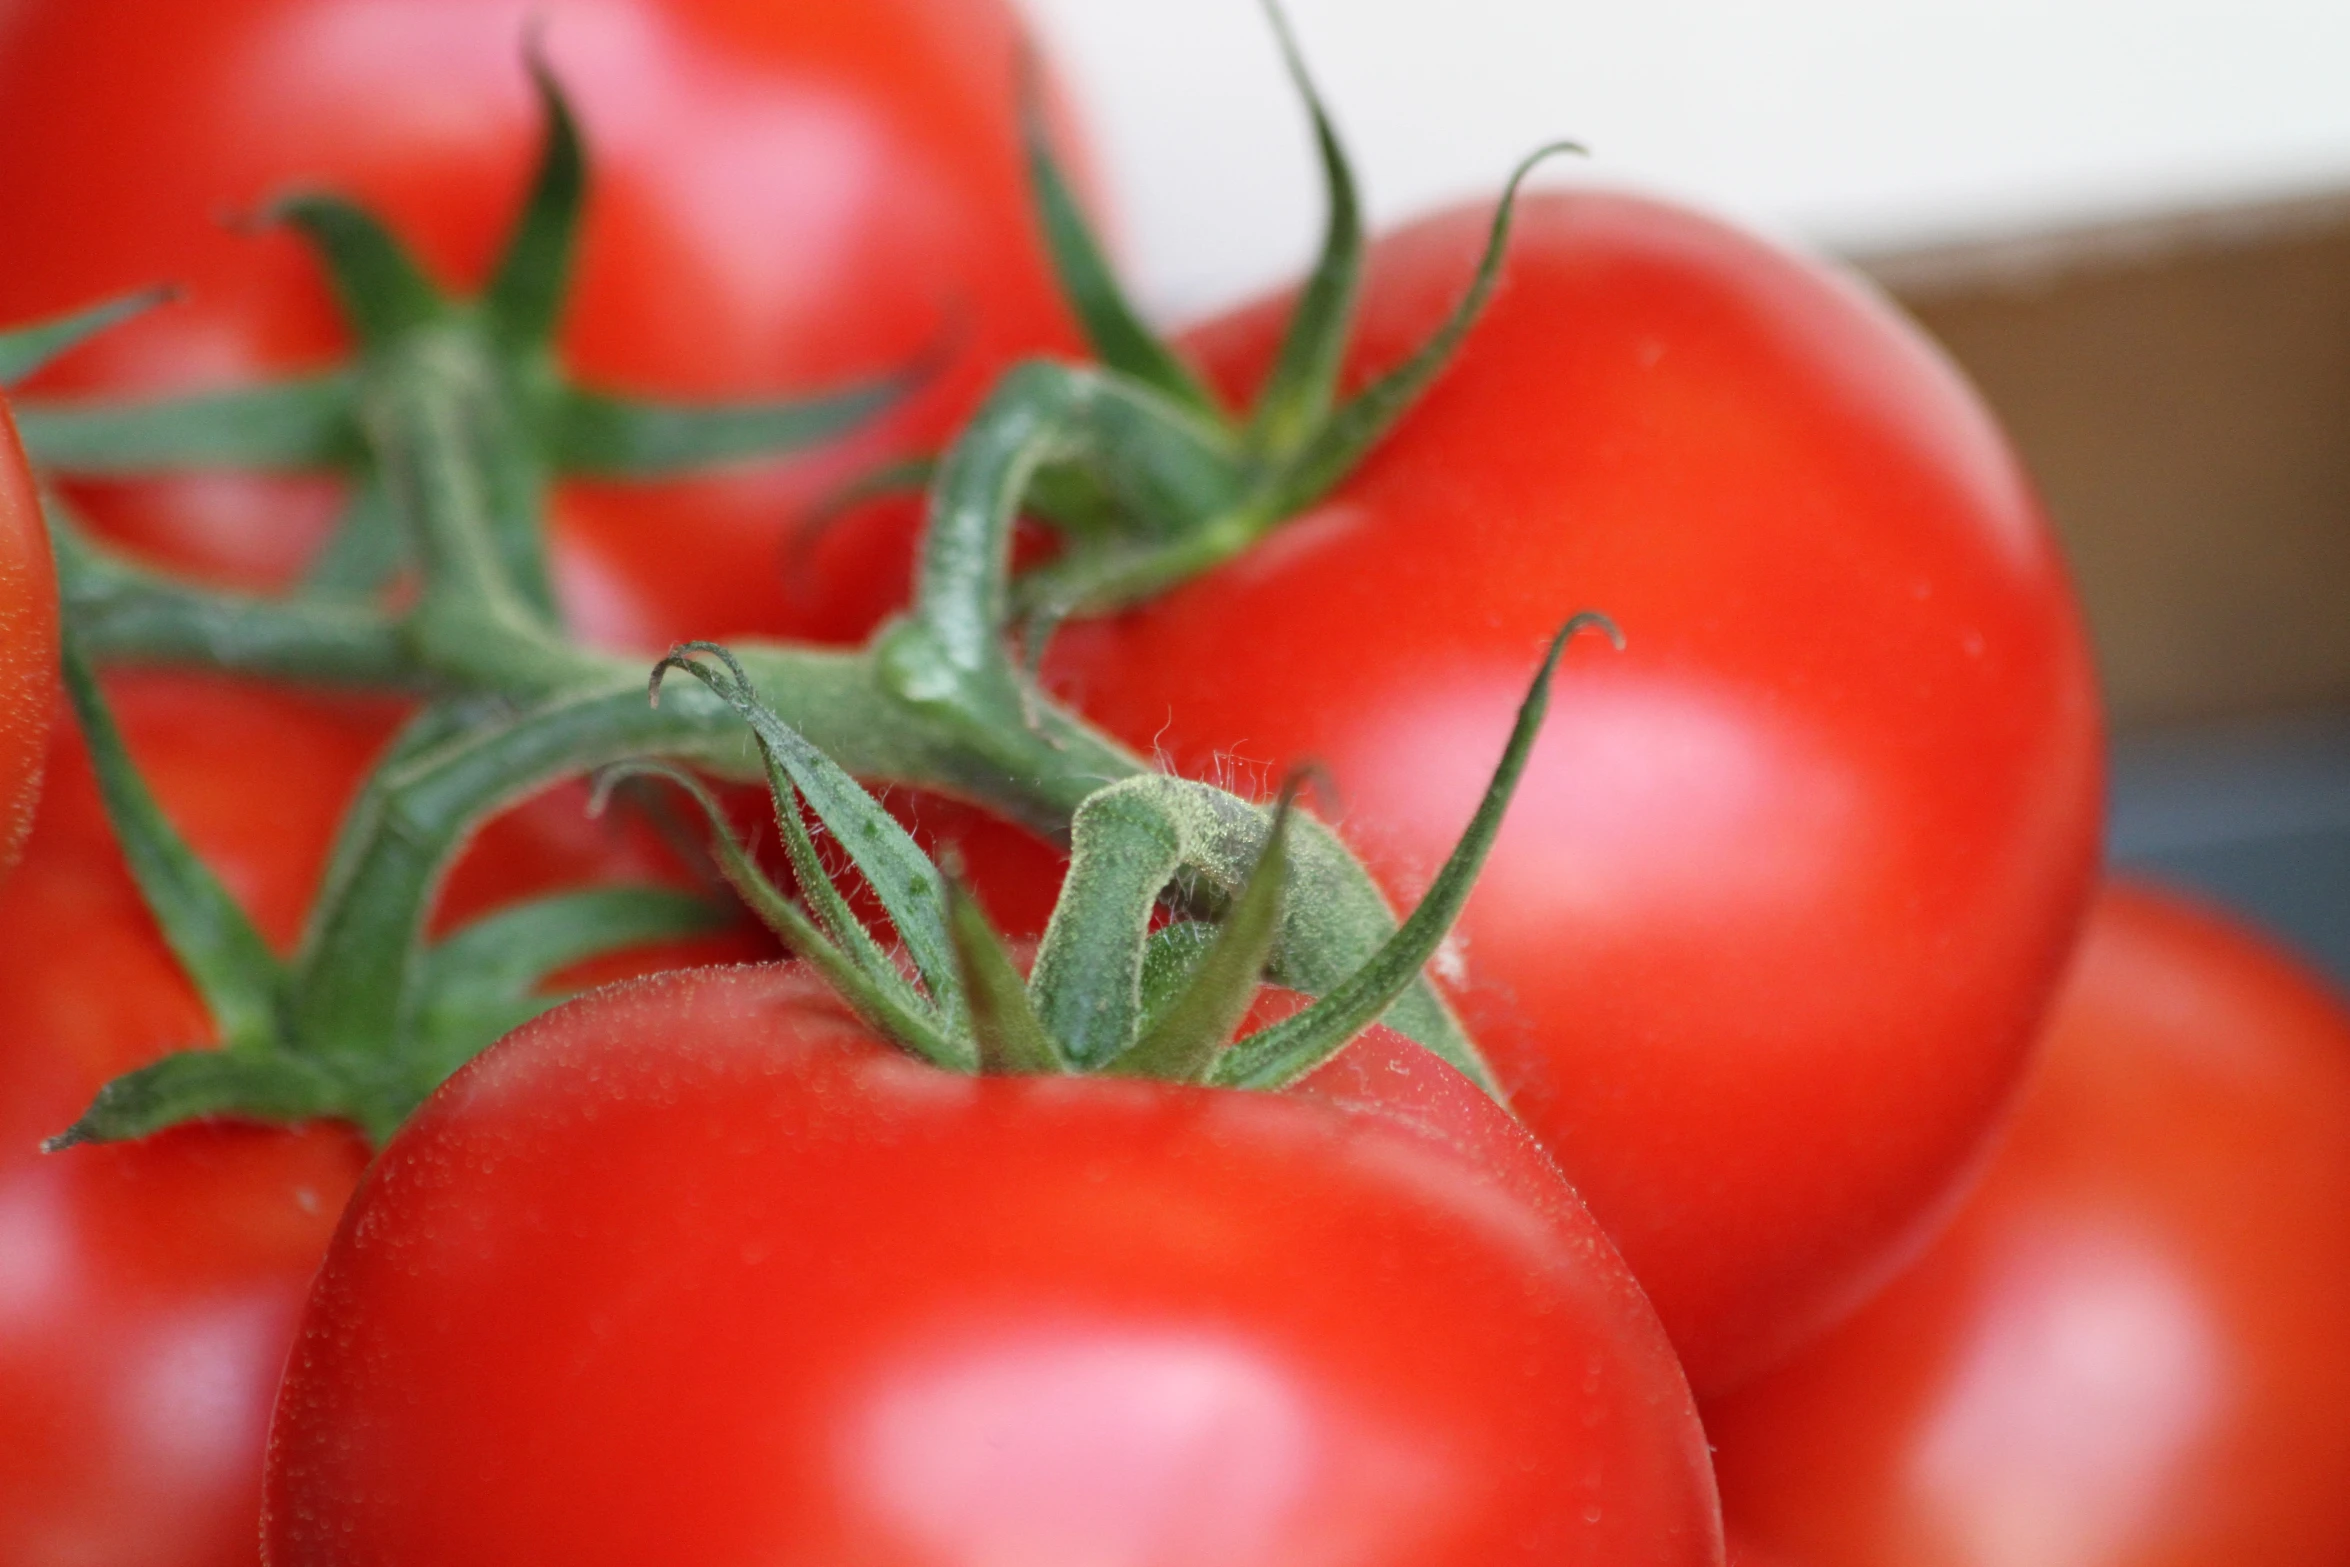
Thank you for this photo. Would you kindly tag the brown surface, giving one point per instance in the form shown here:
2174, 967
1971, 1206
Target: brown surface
2182, 391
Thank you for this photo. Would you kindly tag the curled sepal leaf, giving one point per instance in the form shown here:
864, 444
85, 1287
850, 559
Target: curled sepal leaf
603, 435
1341, 441
1116, 331
199, 1084
295, 426
1169, 958
1172, 468
488, 978
25, 350
232, 968
1277, 1056
1185, 1039
910, 888
1133, 839
382, 288
1298, 393
881, 997
1003, 1022
525, 297
1125, 847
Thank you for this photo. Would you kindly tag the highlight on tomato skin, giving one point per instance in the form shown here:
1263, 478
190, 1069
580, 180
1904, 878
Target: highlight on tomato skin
2128, 1351
698, 1267
1765, 942
786, 196
28, 644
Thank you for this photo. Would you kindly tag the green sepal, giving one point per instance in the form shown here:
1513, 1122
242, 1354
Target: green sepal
1173, 467
524, 301
1184, 1041
232, 968
1297, 394
1334, 449
600, 435
511, 952
366, 549
383, 290
26, 350
890, 1007
910, 888
817, 888
1117, 333
1087, 978
1072, 498
297, 426
1277, 1056
194, 1085
123, 612
1004, 1024
1146, 833
1169, 959
486, 980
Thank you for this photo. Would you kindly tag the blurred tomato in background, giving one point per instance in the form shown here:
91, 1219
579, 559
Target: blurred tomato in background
785, 197
2129, 1350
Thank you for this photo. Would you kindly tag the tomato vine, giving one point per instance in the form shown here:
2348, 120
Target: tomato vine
454, 418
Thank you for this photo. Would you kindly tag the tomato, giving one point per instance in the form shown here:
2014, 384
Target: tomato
698, 1270
788, 195
148, 1291
2128, 1351
1762, 946
28, 644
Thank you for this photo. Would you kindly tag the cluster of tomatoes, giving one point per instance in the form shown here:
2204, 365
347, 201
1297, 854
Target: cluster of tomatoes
1877, 1233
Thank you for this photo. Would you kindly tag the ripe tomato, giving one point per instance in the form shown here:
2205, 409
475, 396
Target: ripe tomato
2129, 1350
148, 1291
28, 645
696, 1269
789, 194
1764, 941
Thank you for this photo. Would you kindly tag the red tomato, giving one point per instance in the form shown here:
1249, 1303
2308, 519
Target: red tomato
789, 194
2129, 1350
28, 645
1764, 941
148, 1291
696, 1269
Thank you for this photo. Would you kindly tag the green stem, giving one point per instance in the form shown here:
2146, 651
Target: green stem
126, 614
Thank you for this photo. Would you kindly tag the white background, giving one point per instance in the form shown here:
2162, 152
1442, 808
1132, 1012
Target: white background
1856, 125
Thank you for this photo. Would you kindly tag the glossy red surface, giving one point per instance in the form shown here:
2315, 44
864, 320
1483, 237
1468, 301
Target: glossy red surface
28, 645
1765, 938
694, 1269
2129, 1349
789, 194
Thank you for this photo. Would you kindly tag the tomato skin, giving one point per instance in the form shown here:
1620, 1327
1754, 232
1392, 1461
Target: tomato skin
149, 1291
790, 194
697, 1266
28, 644
2128, 1350
1762, 945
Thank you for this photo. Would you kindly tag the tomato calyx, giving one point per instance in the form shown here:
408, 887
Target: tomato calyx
1153, 480
479, 982
454, 418
1107, 992
491, 363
